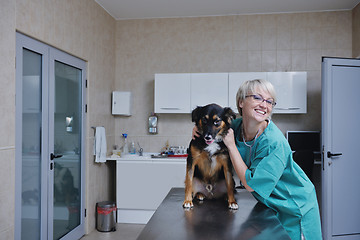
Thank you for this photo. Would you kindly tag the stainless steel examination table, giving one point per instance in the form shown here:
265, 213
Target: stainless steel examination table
211, 219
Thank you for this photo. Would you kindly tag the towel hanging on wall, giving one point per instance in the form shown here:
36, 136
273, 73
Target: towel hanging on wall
100, 145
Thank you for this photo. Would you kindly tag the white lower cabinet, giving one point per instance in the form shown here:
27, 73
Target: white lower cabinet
141, 185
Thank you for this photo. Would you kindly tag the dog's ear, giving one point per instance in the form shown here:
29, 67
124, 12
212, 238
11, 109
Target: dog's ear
195, 114
229, 114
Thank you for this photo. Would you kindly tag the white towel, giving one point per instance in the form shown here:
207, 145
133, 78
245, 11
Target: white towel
100, 145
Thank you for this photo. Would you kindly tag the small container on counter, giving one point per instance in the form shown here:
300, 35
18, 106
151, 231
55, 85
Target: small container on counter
132, 149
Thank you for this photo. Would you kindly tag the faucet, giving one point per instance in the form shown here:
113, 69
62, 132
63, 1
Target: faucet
141, 150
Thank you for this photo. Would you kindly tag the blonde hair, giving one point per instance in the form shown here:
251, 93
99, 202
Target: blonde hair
250, 86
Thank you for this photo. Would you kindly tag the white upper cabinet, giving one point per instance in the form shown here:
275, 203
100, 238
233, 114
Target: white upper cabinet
172, 93
290, 90
209, 88
236, 79
181, 93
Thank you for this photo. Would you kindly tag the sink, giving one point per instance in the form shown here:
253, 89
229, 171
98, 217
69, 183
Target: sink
162, 155
145, 155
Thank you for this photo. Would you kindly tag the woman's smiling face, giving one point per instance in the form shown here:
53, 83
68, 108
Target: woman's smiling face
254, 105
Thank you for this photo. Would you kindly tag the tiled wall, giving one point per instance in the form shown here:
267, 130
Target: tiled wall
85, 30
275, 42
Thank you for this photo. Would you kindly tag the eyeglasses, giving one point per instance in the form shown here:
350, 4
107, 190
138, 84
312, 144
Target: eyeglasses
260, 99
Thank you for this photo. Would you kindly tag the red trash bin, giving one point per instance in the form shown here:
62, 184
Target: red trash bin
106, 216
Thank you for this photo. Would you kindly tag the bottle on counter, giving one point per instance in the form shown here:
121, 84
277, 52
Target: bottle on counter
132, 148
126, 146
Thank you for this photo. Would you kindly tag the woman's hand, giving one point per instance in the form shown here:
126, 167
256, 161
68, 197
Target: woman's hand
195, 133
229, 139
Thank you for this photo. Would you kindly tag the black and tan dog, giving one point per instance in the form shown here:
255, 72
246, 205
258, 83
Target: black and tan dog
209, 168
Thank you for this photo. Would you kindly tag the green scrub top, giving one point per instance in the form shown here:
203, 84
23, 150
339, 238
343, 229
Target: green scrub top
279, 183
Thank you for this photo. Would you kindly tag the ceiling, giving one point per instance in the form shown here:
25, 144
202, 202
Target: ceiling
140, 9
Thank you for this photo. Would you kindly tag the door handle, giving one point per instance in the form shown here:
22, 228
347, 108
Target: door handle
53, 156
330, 154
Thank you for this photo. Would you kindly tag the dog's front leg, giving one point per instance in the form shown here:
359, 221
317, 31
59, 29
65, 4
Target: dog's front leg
189, 188
230, 189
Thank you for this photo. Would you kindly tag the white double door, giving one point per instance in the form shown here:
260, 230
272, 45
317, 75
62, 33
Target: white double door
49, 142
340, 138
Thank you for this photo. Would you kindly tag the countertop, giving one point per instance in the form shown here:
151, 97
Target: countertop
145, 158
212, 219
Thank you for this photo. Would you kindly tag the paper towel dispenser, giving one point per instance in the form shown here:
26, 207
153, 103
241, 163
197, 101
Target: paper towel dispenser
121, 103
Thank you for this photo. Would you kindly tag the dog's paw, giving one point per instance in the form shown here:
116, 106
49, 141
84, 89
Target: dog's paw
200, 196
233, 206
188, 204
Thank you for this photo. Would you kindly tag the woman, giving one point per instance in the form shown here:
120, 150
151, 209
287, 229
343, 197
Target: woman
262, 159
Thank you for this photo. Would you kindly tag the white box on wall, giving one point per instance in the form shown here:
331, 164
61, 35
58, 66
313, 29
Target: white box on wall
121, 103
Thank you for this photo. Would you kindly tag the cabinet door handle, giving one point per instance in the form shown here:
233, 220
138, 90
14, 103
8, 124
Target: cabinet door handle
290, 108
170, 108
330, 154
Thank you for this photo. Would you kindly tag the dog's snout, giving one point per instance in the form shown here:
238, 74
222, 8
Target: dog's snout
208, 137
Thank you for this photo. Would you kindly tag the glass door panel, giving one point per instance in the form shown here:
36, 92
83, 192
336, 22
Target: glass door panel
67, 145
31, 145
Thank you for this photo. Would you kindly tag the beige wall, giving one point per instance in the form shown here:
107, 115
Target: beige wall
85, 30
356, 31
275, 42
7, 120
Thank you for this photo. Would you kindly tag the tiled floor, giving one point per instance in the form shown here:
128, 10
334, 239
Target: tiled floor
123, 232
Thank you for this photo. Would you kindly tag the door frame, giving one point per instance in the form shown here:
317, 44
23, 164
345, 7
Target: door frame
49, 55
326, 138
